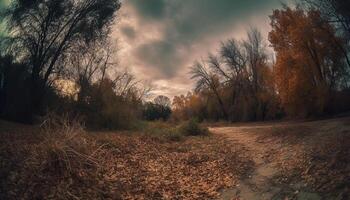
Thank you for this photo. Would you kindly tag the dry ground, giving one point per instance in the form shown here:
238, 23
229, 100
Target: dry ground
303, 160
120, 165
293, 160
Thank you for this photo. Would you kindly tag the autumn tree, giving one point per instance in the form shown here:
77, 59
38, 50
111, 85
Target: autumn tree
191, 106
309, 61
180, 107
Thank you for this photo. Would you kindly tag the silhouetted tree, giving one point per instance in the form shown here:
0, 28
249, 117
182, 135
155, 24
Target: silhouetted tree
337, 11
162, 101
43, 32
13, 90
158, 109
207, 80
242, 77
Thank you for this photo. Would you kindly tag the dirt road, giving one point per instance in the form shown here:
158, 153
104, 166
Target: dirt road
261, 183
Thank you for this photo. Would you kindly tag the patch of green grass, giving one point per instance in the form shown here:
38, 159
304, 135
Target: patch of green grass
193, 128
173, 132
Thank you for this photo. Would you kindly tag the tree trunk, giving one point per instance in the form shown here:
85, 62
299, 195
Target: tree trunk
221, 103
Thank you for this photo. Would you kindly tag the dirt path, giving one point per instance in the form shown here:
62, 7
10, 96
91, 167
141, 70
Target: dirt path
260, 184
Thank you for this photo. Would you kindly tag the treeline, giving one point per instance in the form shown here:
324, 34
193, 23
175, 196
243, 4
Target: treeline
306, 75
57, 56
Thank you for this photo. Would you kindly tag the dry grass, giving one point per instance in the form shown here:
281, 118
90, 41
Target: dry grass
52, 165
61, 161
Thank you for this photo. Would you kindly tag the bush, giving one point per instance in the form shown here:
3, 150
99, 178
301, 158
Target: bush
172, 132
103, 108
192, 128
154, 111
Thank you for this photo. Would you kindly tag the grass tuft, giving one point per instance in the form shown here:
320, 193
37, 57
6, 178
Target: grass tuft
193, 128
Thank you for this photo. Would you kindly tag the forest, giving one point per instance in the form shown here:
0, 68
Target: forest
87, 127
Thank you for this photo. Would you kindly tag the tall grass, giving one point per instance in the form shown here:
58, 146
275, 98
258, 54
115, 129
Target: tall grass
65, 159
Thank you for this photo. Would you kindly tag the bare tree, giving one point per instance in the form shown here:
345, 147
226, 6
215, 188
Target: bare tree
233, 58
162, 101
237, 70
92, 62
207, 80
256, 56
44, 31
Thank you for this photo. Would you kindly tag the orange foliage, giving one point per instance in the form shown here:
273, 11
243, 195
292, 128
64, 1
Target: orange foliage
187, 107
309, 62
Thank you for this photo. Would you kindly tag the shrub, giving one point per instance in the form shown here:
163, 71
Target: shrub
152, 111
103, 108
172, 132
192, 128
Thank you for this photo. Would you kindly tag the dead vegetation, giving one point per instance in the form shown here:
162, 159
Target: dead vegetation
62, 161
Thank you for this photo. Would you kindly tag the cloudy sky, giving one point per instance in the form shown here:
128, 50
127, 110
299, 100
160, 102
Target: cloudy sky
160, 39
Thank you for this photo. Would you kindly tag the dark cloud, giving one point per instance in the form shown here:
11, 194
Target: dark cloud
161, 55
164, 37
185, 23
128, 31
197, 18
150, 9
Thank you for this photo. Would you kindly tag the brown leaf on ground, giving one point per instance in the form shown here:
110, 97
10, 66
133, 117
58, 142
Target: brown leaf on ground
116, 166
